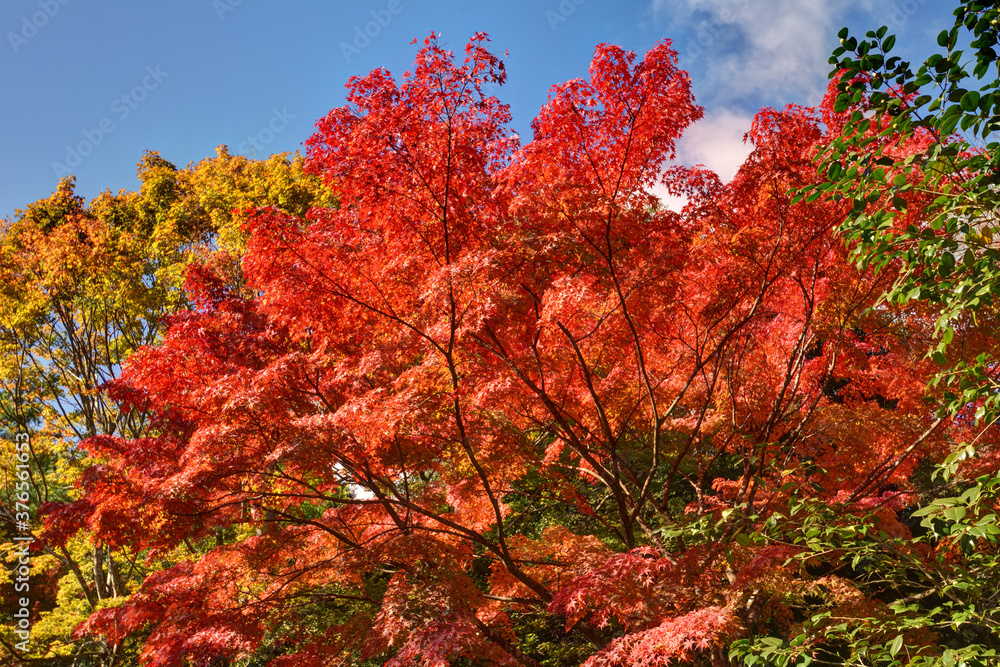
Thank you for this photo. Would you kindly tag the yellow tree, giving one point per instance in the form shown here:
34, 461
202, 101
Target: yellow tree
83, 286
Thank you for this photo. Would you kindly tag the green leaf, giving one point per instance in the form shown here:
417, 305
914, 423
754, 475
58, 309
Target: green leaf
947, 264
955, 513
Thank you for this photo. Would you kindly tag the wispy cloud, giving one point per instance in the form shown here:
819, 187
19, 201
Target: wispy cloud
715, 141
744, 53
757, 49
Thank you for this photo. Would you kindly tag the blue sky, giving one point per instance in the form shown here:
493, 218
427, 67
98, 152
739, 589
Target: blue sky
113, 78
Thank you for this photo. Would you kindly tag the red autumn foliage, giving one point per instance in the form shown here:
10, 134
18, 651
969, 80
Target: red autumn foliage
480, 390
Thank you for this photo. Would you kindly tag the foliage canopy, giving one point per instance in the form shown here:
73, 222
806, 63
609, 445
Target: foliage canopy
493, 405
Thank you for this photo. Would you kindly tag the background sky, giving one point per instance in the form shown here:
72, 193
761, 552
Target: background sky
89, 85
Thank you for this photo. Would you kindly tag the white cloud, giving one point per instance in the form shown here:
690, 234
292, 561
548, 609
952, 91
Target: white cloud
758, 49
672, 202
744, 54
715, 141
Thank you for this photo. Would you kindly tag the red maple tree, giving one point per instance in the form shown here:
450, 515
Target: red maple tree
499, 385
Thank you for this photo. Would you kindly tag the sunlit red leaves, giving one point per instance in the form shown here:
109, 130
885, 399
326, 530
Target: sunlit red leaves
202, 609
629, 588
415, 159
474, 314
675, 640
427, 618
599, 143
